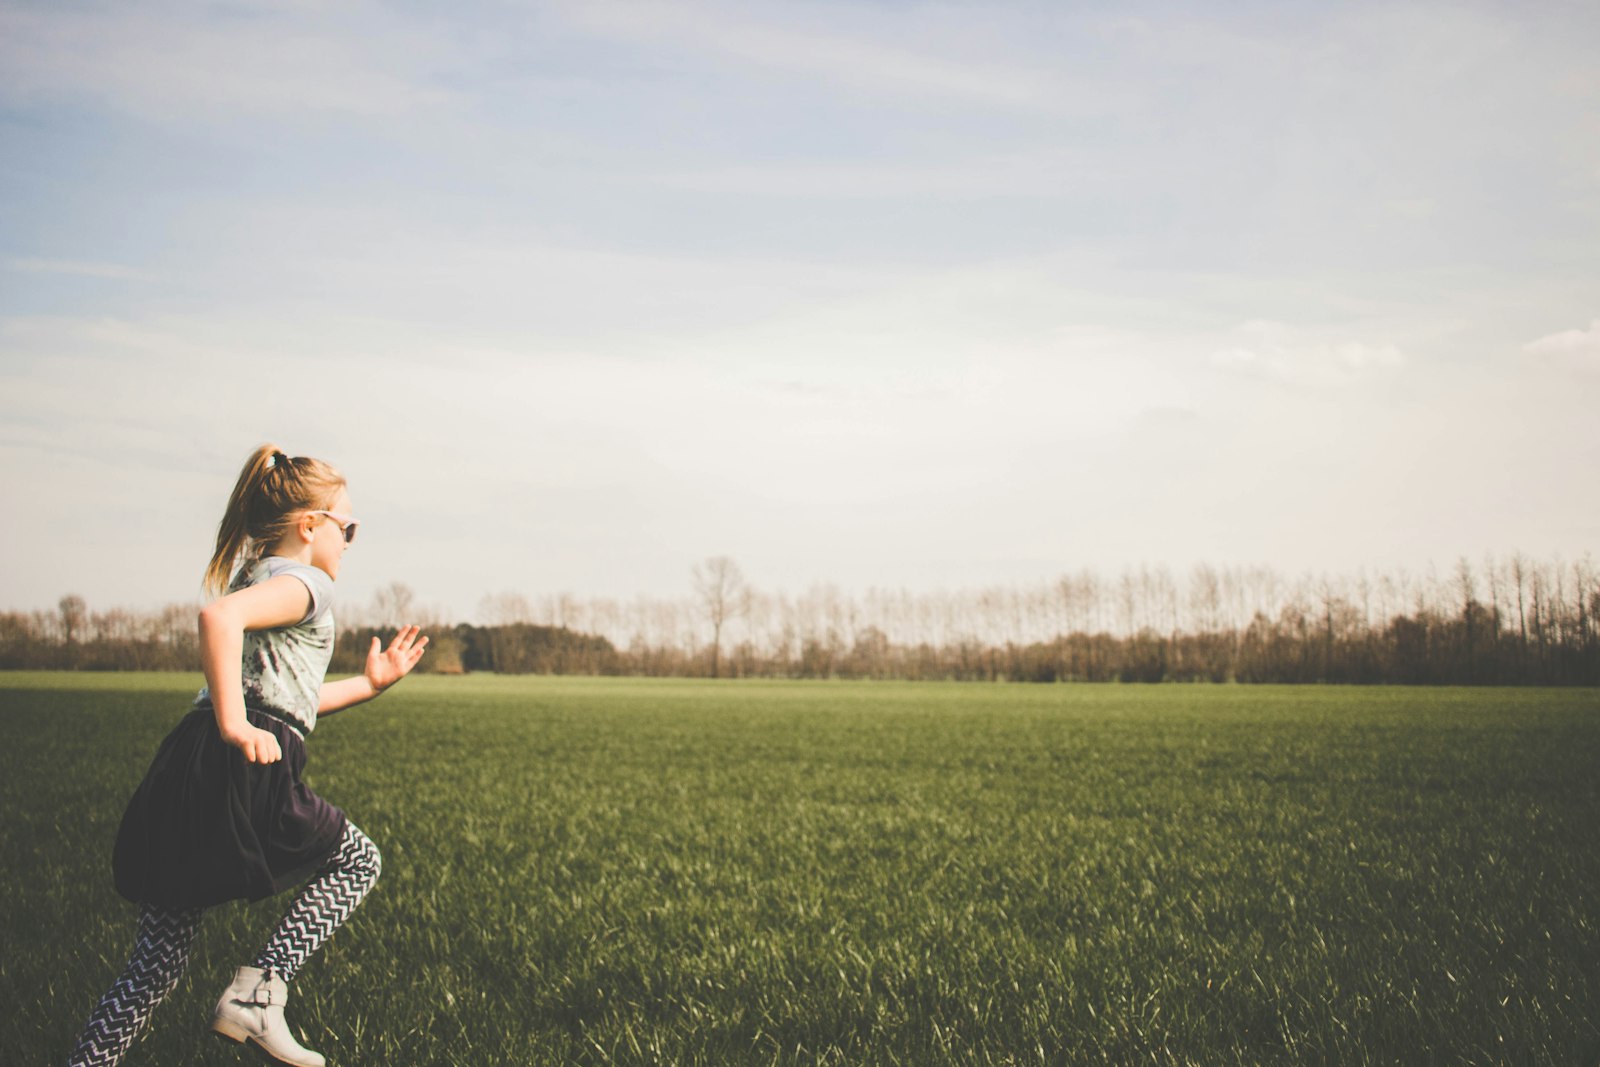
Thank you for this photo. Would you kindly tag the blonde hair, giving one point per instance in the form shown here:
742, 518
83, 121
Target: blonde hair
271, 489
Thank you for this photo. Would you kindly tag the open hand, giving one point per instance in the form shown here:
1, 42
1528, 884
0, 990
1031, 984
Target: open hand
388, 665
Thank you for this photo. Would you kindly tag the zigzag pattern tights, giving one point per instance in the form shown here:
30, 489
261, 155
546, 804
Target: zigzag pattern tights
325, 902
162, 950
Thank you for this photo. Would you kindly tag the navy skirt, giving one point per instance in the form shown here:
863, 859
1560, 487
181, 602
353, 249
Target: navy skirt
206, 826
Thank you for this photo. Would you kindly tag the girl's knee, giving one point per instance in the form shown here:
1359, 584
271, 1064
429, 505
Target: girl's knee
364, 857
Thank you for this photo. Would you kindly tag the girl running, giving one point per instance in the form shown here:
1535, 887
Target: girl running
223, 814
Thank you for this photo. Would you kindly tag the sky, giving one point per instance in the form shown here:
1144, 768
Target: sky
895, 295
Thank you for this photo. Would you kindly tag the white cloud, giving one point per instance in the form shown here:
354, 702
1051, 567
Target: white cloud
167, 64
987, 177
85, 270
1283, 353
855, 61
1571, 348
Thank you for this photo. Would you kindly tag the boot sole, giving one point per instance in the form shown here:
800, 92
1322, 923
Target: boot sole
229, 1031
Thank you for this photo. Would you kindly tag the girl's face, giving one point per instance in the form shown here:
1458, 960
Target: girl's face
327, 539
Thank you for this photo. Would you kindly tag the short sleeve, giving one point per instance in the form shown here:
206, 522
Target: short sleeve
316, 581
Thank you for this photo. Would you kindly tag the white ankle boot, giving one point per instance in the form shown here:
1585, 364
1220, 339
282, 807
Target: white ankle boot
252, 1010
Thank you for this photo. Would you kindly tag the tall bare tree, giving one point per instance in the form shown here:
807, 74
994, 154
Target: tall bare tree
724, 595
504, 609
73, 611
393, 604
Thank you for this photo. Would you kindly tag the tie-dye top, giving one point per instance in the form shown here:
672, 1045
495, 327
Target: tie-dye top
283, 668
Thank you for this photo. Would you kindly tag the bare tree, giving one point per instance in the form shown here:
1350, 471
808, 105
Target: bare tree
392, 605
504, 609
73, 609
724, 595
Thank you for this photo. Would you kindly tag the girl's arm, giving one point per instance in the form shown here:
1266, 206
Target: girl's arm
280, 601
384, 668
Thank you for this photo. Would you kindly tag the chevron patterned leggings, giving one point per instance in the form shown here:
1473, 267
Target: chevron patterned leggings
165, 937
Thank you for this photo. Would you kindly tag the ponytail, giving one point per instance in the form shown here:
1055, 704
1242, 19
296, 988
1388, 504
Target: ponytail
271, 488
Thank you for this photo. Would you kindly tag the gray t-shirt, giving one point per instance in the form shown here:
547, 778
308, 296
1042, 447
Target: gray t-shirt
283, 668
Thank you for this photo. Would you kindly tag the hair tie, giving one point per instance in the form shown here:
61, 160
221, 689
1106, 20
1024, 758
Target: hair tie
272, 460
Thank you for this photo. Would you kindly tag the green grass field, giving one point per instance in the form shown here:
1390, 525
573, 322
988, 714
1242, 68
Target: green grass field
588, 871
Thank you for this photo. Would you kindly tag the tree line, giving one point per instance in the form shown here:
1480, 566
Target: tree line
1506, 621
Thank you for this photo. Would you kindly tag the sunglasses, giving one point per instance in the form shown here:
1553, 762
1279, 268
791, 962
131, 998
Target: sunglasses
347, 525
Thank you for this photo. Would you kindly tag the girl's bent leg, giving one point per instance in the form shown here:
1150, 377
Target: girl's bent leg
159, 957
325, 902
